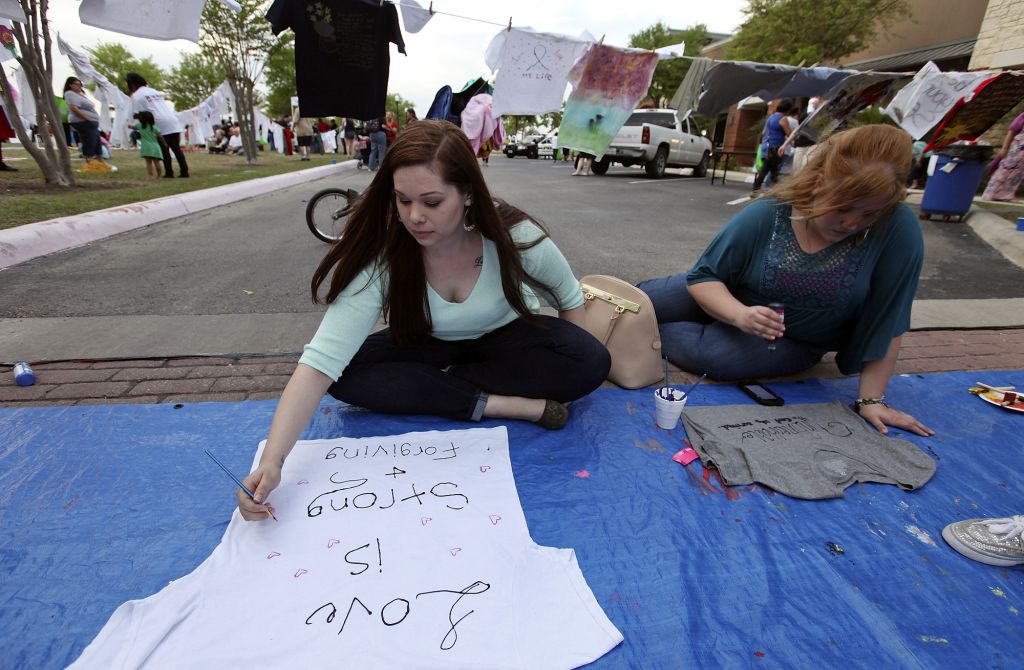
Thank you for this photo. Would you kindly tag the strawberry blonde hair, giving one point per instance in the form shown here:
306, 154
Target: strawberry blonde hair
851, 165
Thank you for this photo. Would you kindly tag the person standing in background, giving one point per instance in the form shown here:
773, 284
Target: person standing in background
390, 128
85, 120
350, 135
378, 142
1009, 171
303, 129
146, 99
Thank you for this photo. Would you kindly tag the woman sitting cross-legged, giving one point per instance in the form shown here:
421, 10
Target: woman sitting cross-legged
457, 280
836, 247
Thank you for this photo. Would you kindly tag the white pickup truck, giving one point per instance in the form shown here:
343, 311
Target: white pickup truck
657, 139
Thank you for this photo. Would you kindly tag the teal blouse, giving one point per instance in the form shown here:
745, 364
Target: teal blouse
849, 298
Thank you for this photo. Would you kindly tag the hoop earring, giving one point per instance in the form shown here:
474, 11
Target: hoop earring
468, 227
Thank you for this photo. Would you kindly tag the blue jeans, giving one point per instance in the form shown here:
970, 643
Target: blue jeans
695, 341
553, 360
378, 145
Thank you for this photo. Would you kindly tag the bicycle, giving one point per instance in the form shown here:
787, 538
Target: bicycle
327, 212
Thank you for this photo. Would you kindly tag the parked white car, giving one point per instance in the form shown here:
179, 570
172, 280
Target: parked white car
549, 145
657, 139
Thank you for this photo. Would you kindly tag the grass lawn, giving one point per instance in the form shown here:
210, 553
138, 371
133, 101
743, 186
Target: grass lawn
26, 198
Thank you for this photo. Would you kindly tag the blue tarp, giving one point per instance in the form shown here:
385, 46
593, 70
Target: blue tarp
103, 504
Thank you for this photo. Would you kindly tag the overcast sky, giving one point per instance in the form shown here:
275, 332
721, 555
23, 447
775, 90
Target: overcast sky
449, 50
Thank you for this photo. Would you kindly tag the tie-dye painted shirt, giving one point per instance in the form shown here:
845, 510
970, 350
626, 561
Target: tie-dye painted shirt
849, 298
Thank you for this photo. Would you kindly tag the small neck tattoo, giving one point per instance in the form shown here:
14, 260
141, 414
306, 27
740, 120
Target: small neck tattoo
479, 262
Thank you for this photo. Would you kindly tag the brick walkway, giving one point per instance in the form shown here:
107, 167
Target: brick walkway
222, 379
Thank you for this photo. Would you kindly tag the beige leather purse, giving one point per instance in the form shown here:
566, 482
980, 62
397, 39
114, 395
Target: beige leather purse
622, 317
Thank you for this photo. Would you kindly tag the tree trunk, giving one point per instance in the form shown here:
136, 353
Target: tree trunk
54, 160
243, 90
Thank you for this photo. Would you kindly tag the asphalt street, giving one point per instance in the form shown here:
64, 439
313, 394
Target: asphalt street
218, 281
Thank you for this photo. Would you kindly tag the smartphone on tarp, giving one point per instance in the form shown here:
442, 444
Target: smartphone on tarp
762, 395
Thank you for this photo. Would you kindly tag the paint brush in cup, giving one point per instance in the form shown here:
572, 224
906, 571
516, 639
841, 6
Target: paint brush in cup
686, 393
237, 481
666, 391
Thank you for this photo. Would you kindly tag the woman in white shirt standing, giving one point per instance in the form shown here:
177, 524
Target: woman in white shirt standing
457, 279
146, 99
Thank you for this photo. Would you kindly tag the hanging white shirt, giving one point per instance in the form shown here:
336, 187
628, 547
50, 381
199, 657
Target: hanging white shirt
146, 99
533, 69
409, 551
155, 19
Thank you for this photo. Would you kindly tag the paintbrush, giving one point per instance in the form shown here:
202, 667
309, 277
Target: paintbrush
998, 389
237, 481
666, 393
686, 393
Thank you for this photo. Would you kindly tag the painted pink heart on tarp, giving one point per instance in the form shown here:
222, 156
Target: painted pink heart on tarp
495, 519
300, 572
455, 550
484, 468
424, 520
272, 554
331, 542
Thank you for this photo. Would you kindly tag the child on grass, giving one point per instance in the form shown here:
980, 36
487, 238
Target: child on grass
150, 143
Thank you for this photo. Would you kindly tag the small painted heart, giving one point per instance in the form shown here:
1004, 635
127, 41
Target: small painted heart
424, 520
495, 519
300, 572
455, 550
272, 555
332, 542
484, 468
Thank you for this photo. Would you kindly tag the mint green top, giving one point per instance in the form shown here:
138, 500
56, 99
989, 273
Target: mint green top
352, 316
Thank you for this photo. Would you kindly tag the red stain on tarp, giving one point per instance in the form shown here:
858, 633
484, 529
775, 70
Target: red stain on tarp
729, 491
759, 654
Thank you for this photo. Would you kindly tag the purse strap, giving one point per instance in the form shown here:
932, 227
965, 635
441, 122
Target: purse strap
621, 304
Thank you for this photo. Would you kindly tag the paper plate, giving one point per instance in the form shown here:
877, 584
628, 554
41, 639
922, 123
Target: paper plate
996, 398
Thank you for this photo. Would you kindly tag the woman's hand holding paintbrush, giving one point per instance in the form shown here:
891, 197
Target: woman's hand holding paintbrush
265, 477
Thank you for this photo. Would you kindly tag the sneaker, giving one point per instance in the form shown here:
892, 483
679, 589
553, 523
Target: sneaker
990, 541
4, 167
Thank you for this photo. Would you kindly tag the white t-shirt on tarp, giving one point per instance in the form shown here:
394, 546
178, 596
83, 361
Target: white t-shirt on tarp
409, 551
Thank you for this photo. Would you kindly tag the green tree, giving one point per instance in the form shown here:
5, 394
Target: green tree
520, 123
811, 31
114, 61
193, 80
279, 75
240, 44
35, 55
669, 73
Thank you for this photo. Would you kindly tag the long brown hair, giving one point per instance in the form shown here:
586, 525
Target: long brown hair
375, 237
851, 165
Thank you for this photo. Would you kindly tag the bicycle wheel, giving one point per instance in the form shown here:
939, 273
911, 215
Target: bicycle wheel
327, 212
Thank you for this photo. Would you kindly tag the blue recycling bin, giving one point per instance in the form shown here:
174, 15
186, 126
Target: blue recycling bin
950, 191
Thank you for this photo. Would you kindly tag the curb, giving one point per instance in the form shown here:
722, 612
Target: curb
33, 240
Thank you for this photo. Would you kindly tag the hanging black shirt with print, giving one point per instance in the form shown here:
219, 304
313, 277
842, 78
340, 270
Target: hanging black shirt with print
342, 53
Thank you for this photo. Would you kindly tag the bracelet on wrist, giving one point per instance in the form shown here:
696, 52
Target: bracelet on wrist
860, 402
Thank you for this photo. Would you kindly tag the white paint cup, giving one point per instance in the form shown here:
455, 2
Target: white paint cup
667, 412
